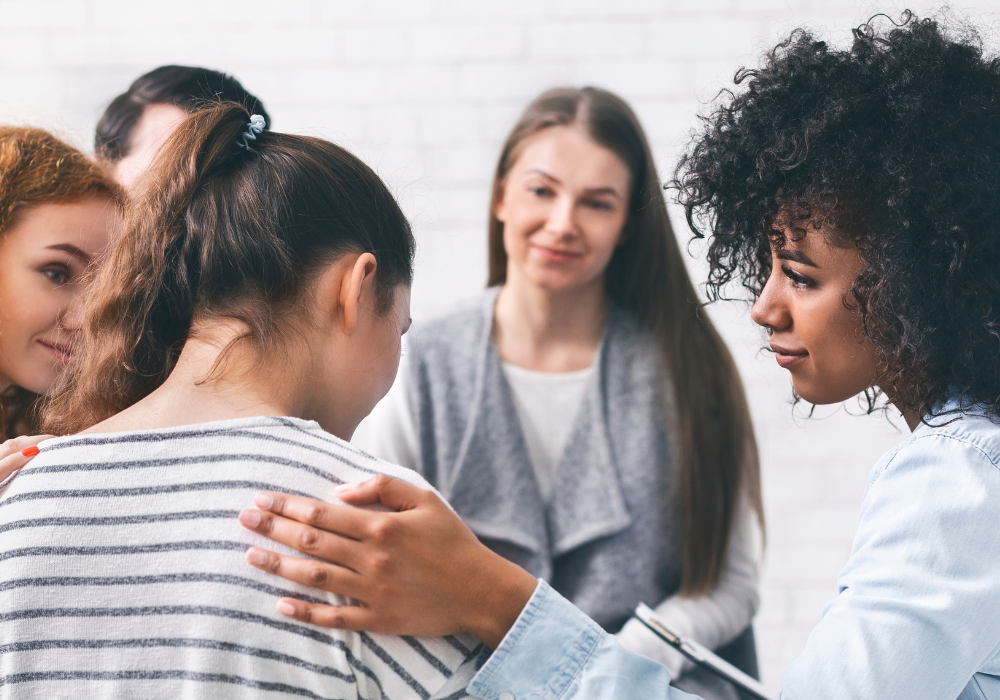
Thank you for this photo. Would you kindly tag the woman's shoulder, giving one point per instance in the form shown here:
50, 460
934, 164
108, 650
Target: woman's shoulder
346, 461
973, 428
959, 444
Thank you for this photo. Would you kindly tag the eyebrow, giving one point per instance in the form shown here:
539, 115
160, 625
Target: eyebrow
795, 256
72, 250
591, 191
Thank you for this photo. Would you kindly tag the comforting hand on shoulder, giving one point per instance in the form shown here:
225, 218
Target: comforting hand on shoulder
417, 570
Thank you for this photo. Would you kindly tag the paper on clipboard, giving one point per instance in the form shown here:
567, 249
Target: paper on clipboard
701, 655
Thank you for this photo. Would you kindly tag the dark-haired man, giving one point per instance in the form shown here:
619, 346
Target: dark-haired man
138, 121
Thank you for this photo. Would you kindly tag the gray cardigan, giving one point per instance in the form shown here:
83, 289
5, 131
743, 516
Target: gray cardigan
608, 538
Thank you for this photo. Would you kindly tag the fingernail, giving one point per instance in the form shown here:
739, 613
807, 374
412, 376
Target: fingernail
30, 451
256, 557
250, 518
285, 608
346, 488
263, 500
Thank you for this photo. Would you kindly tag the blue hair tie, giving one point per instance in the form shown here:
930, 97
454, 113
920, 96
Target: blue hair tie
254, 129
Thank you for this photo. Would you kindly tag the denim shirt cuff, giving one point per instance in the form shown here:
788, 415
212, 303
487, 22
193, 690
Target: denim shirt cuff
542, 654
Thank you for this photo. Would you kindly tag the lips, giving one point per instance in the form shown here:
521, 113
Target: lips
787, 357
556, 255
62, 351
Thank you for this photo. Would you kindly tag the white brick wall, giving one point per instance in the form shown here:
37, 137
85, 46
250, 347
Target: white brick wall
425, 90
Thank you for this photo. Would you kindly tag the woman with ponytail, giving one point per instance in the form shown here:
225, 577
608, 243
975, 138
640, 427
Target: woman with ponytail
247, 318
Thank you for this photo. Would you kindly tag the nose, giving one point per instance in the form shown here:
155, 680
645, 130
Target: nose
770, 309
562, 220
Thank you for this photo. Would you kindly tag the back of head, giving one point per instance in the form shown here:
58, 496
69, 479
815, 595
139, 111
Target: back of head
225, 231
187, 87
37, 168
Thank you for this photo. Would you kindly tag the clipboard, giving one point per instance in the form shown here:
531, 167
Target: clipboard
701, 655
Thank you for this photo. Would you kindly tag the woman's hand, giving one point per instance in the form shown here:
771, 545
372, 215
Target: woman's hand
17, 452
419, 571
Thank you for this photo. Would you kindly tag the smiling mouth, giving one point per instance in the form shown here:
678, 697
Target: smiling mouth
556, 255
62, 351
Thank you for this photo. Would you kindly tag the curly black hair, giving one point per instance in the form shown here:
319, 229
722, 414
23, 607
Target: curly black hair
896, 144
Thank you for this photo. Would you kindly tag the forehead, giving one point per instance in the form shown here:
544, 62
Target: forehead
157, 122
86, 224
571, 155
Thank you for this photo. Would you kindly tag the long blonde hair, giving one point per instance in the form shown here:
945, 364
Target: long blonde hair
718, 452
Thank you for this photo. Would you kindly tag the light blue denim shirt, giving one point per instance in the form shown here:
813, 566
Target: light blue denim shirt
917, 618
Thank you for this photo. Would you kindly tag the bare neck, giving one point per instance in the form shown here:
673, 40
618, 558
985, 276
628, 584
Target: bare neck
549, 331
201, 389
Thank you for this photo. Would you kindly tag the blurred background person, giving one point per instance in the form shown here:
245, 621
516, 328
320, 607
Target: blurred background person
138, 122
583, 416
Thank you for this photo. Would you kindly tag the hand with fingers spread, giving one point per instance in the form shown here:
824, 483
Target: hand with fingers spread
416, 570
17, 452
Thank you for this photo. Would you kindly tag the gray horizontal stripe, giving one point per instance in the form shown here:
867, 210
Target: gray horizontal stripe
148, 490
123, 549
118, 519
241, 433
157, 675
238, 457
240, 615
428, 656
454, 642
156, 579
391, 663
160, 642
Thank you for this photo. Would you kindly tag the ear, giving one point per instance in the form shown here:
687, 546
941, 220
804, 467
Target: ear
357, 283
500, 209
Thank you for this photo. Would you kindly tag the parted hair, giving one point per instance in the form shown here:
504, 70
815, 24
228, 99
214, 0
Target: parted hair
38, 168
895, 141
718, 452
224, 232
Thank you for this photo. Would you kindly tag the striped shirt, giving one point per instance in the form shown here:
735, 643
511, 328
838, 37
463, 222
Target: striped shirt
122, 574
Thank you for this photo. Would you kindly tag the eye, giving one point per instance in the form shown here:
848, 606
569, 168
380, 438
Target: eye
599, 205
57, 275
798, 279
540, 191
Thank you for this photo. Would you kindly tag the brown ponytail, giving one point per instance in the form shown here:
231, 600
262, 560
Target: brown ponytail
226, 232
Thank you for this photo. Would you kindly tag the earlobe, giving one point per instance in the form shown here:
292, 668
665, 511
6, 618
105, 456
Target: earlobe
357, 283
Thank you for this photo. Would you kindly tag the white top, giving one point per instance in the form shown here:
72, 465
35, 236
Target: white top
547, 404
390, 432
123, 574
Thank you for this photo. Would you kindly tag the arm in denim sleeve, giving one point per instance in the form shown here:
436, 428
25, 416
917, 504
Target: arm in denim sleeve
555, 652
917, 613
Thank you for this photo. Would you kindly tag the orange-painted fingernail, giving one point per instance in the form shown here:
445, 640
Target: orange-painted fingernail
30, 451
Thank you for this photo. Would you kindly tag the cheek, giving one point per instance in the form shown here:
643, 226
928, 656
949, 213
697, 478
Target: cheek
603, 237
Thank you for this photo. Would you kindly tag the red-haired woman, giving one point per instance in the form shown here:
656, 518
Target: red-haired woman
56, 212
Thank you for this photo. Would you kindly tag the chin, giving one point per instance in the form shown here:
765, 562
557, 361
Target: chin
820, 395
